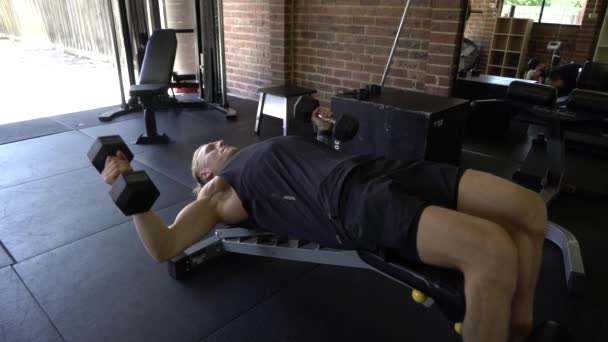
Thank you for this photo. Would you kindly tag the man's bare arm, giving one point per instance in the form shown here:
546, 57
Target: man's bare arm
216, 201
164, 242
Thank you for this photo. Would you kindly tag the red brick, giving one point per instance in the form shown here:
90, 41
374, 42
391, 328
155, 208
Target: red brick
333, 44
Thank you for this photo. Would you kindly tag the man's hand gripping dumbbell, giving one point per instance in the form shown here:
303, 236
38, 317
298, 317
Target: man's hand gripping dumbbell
132, 191
343, 128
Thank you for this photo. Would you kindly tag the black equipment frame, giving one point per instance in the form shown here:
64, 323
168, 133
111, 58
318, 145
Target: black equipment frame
211, 73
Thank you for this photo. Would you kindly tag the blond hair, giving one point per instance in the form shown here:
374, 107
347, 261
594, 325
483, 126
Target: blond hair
195, 173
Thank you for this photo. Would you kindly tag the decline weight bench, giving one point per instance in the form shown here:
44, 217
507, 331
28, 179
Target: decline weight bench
430, 285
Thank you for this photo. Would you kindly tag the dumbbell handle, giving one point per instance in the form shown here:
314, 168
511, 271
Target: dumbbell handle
325, 136
326, 119
344, 128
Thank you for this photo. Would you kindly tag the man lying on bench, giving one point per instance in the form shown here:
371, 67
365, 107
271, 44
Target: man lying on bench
489, 228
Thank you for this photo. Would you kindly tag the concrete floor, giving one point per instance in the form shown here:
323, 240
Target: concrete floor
40, 81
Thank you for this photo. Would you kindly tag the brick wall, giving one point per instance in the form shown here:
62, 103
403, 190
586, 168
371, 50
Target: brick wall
578, 41
247, 30
347, 45
447, 26
480, 27
335, 44
281, 41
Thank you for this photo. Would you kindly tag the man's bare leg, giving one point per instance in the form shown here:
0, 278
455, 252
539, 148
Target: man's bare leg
486, 255
524, 215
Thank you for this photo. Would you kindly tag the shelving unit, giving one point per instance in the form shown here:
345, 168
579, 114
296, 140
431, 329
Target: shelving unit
601, 52
509, 48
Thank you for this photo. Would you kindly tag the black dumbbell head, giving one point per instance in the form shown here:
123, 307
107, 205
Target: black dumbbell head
304, 107
374, 90
107, 146
361, 94
134, 193
346, 128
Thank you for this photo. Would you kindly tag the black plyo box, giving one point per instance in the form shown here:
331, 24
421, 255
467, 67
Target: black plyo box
406, 125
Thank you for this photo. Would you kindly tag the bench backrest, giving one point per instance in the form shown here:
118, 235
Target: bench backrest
158, 61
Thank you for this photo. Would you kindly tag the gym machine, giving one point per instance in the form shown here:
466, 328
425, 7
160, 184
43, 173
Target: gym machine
211, 74
544, 169
211, 56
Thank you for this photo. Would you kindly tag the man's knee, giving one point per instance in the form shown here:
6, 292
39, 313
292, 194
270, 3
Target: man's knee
532, 214
513, 205
496, 259
480, 248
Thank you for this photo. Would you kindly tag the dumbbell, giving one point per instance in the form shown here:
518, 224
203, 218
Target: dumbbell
345, 127
133, 192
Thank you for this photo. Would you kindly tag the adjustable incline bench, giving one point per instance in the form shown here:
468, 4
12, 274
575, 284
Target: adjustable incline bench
155, 79
430, 284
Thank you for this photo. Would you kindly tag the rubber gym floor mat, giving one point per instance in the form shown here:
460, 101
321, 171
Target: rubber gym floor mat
586, 320
42, 215
34, 159
588, 173
5, 258
604, 332
178, 125
586, 219
21, 318
88, 118
29, 129
175, 159
339, 304
107, 288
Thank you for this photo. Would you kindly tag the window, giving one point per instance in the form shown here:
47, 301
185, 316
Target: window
567, 12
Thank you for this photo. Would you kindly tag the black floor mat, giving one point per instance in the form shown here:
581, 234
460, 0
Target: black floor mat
29, 129
88, 118
586, 219
42, 215
339, 304
5, 259
21, 318
107, 288
33, 159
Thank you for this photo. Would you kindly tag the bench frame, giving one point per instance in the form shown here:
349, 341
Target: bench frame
244, 241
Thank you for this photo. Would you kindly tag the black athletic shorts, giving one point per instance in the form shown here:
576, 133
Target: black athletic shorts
381, 203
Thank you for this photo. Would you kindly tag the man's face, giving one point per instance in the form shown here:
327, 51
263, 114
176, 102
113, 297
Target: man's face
213, 156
